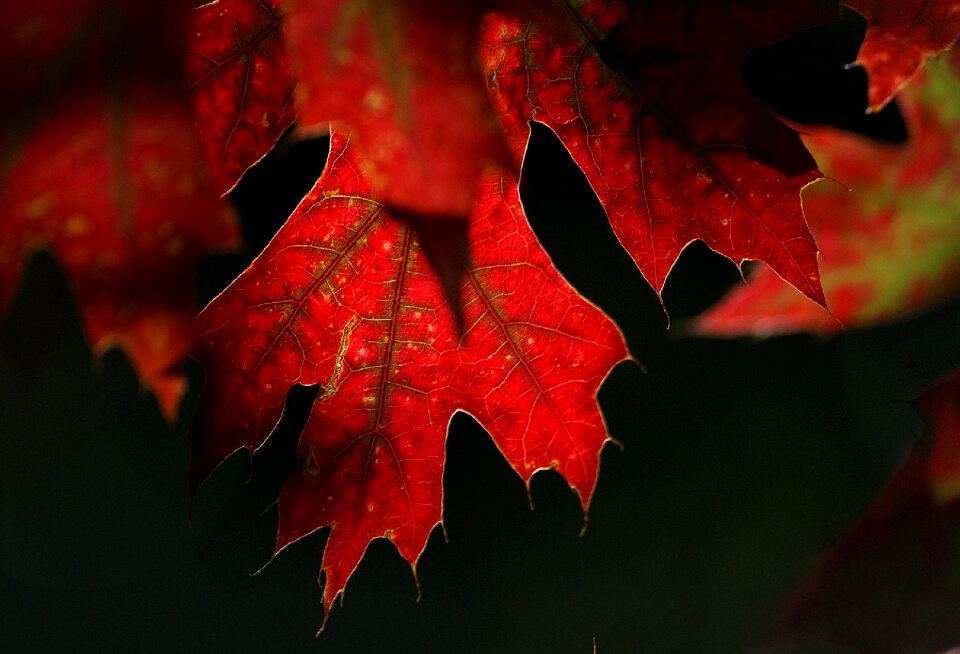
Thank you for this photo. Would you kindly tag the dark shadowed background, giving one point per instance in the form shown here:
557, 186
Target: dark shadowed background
741, 460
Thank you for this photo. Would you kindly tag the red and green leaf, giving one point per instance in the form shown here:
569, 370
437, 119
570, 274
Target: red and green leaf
343, 298
891, 242
901, 34
101, 167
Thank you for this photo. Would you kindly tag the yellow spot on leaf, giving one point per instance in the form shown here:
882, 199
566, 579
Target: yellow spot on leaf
375, 101
40, 205
174, 247
76, 225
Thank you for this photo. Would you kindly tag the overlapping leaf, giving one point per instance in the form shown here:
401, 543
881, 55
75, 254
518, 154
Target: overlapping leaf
100, 165
242, 83
343, 297
404, 76
901, 34
652, 106
893, 584
892, 241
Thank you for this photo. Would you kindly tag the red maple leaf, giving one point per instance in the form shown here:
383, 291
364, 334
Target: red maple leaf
891, 239
343, 297
652, 106
242, 84
890, 586
901, 34
101, 166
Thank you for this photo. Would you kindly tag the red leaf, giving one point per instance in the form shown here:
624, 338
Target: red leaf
405, 77
901, 34
652, 107
890, 586
242, 84
343, 297
101, 167
891, 241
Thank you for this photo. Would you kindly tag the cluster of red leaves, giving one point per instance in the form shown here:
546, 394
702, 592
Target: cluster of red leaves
399, 319
346, 297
